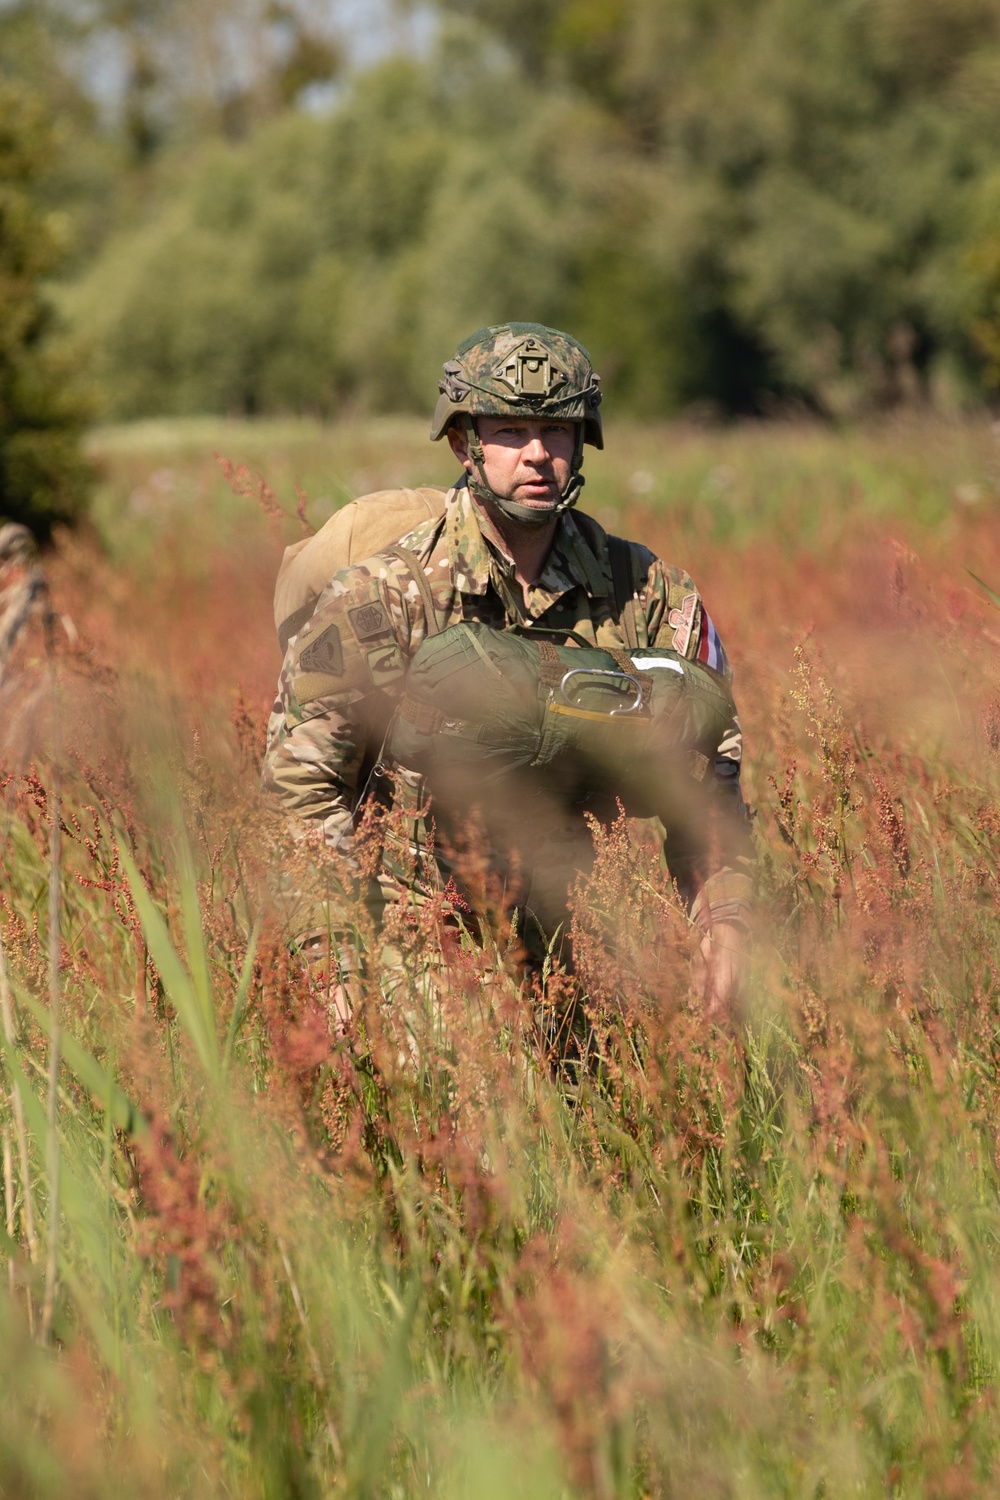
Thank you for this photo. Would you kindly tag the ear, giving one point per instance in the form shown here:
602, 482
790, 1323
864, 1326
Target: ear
459, 446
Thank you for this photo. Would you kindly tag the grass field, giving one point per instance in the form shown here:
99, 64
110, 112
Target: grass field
751, 1261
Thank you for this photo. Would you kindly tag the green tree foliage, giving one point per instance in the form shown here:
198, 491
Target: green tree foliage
328, 263
979, 283
43, 476
810, 165
183, 69
741, 204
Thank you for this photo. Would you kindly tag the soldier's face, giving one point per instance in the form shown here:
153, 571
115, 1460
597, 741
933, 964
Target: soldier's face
530, 462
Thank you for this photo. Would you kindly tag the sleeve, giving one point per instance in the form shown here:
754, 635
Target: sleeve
331, 713
716, 873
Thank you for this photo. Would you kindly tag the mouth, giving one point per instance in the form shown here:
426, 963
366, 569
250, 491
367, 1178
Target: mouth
541, 491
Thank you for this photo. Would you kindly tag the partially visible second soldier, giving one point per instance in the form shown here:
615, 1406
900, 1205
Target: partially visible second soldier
511, 555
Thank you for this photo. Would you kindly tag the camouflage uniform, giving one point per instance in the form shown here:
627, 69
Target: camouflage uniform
344, 671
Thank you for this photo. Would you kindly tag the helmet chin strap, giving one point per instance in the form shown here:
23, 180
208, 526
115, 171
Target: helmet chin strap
529, 515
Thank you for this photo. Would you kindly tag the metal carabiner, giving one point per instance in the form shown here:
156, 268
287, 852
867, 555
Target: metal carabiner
615, 677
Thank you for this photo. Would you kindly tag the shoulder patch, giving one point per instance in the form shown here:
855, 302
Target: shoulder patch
325, 654
369, 620
385, 663
682, 621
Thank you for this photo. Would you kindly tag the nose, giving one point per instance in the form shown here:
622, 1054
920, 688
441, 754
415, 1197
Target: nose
535, 449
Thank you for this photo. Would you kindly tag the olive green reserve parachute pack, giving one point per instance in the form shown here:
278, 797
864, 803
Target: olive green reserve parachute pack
482, 706
353, 533
486, 709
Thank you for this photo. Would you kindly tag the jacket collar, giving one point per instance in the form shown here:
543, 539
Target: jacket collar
572, 562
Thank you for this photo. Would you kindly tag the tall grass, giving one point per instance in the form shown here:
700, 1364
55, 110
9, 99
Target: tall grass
752, 1260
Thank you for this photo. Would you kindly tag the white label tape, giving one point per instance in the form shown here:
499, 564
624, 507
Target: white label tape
647, 663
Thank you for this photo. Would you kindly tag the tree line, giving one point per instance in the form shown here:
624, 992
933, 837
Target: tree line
741, 206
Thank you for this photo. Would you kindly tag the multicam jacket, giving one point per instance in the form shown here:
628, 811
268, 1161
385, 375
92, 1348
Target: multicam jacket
344, 671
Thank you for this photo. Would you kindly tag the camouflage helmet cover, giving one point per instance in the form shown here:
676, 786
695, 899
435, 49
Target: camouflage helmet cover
520, 370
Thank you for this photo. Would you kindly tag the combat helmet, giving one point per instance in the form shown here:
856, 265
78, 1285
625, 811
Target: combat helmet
522, 370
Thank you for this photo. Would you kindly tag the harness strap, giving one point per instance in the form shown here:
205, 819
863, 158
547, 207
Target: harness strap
550, 668
412, 564
623, 582
425, 718
534, 629
627, 665
484, 656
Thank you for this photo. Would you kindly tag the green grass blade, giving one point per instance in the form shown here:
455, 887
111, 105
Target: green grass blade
242, 991
83, 1211
180, 988
382, 1411
97, 1080
195, 951
982, 585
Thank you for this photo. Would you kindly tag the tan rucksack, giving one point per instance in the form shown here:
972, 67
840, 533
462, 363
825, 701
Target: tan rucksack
354, 532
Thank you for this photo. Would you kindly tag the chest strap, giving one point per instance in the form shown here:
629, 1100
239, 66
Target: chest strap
413, 566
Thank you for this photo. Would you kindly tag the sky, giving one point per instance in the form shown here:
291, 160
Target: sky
368, 29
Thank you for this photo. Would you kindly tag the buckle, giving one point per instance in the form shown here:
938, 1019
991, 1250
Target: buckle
617, 678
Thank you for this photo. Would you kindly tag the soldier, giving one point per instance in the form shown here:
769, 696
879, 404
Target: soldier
517, 404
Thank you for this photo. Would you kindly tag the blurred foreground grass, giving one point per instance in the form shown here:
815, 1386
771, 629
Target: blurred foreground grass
754, 1262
